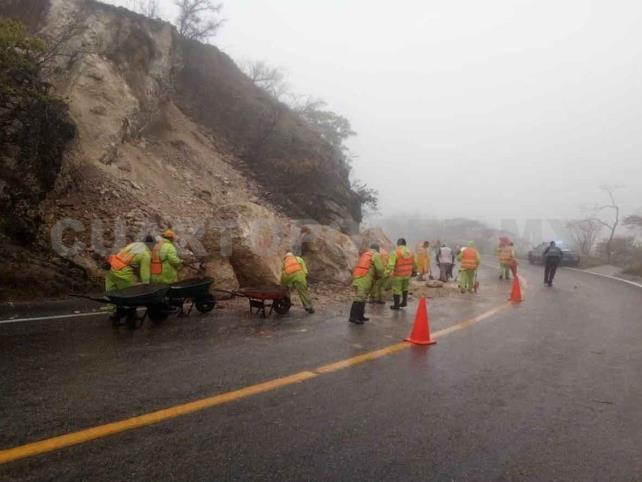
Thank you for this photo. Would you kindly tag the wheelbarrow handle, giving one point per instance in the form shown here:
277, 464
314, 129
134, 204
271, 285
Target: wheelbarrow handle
98, 300
229, 292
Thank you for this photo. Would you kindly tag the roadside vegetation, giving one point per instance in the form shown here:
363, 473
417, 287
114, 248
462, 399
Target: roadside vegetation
597, 242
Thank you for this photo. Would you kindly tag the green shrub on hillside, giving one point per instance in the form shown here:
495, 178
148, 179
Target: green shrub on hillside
19, 60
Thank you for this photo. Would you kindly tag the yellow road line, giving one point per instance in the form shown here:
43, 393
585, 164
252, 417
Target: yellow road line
466, 323
372, 355
100, 431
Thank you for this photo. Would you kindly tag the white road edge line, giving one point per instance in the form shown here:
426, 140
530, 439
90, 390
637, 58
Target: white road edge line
629, 282
54, 317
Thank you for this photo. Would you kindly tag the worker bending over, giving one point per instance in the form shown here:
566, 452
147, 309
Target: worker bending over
469, 262
294, 275
368, 269
133, 259
401, 265
165, 261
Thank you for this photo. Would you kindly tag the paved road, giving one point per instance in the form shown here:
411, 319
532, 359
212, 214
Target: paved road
547, 390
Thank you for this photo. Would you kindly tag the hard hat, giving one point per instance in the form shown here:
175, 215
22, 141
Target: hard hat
169, 234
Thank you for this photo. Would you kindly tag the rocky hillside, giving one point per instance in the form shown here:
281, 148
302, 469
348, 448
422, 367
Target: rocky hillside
159, 131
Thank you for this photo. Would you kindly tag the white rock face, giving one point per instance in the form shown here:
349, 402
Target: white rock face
329, 254
254, 241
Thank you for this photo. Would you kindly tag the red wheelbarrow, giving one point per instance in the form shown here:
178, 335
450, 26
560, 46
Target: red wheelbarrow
264, 299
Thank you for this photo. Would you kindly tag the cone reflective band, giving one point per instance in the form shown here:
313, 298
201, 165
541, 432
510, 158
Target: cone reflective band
421, 330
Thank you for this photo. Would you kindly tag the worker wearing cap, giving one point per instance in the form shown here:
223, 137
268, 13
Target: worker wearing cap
401, 265
368, 268
133, 258
165, 262
294, 275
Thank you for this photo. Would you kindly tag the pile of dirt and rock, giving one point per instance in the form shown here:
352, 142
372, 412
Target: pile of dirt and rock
161, 131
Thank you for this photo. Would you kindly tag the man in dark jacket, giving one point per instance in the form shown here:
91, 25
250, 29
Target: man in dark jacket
552, 259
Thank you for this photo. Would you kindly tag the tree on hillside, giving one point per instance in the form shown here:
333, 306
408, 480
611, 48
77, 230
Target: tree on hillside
612, 224
368, 196
149, 8
198, 19
20, 56
268, 78
333, 128
585, 233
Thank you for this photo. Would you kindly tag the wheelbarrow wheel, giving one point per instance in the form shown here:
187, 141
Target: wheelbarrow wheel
282, 306
133, 321
205, 305
157, 314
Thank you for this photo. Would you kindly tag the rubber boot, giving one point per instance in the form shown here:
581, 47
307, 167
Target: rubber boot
354, 313
362, 312
395, 305
404, 301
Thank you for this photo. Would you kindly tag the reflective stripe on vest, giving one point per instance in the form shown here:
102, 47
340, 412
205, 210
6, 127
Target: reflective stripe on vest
363, 266
291, 265
469, 258
385, 257
403, 266
120, 260
505, 255
156, 264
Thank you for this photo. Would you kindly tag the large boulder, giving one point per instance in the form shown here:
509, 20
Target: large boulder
223, 273
329, 254
252, 239
373, 235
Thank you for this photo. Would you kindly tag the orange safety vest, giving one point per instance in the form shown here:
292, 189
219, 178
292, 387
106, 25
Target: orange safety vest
291, 265
120, 260
506, 255
469, 258
363, 266
157, 264
403, 266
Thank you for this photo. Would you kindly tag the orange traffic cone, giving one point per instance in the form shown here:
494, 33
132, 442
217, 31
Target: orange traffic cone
421, 330
516, 292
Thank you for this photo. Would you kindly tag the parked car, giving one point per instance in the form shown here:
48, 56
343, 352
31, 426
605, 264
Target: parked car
569, 256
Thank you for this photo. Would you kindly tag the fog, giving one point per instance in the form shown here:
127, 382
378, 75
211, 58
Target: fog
506, 109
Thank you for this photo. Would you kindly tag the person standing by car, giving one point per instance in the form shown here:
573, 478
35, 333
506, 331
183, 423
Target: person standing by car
552, 259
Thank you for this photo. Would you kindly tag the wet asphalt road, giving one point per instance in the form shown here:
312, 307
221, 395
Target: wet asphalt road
547, 390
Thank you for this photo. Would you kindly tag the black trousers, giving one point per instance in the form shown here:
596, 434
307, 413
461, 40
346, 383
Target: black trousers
550, 269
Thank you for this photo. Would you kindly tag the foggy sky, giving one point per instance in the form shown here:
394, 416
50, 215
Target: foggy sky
503, 109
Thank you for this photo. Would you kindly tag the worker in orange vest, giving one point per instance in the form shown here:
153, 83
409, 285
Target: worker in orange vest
368, 268
423, 260
382, 283
294, 275
506, 254
165, 261
401, 265
469, 260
